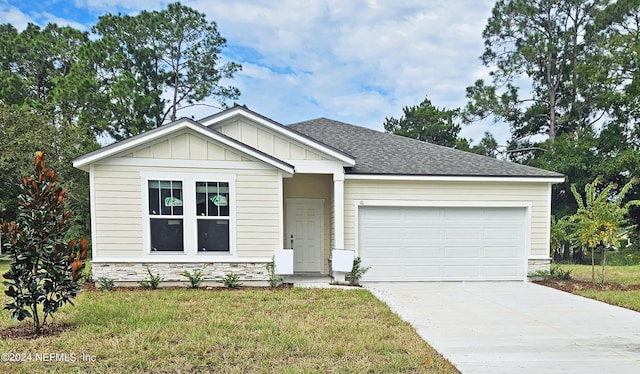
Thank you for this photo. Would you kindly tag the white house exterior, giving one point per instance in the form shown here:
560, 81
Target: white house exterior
231, 189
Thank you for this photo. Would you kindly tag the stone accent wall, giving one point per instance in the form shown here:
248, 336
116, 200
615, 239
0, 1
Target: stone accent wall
124, 272
538, 264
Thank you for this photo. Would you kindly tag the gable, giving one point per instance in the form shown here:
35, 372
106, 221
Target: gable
267, 141
272, 138
181, 140
187, 146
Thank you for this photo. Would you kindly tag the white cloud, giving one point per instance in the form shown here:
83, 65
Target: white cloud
357, 61
14, 16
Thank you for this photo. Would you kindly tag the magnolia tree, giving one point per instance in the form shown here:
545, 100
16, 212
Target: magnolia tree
601, 219
45, 271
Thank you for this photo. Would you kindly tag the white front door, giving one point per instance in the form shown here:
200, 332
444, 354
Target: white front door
305, 227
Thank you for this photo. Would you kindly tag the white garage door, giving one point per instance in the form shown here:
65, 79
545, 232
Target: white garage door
442, 243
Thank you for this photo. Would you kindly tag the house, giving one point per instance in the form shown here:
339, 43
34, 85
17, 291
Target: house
231, 189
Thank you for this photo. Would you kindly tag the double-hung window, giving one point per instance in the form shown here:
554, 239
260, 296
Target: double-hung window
212, 216
190, 214
166, 217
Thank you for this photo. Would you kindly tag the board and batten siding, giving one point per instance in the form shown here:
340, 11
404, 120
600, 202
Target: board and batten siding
460, 192
267, 141
187, 146
119, 206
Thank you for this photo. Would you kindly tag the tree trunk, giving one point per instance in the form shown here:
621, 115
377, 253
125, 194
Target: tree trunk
593, 267
604, 262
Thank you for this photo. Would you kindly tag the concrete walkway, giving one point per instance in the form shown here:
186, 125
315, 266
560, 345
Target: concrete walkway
517, 327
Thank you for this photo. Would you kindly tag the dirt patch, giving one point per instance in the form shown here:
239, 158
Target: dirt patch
576, 285
25, 331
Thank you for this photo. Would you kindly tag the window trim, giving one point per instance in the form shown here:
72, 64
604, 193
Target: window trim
190, 224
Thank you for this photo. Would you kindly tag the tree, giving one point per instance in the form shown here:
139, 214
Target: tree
426, 122
139, 58
601, 218
26, 131
45, 271
542, 41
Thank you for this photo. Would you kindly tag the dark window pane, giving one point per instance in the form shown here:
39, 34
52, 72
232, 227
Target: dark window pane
201, 198
178, 201
167, 234
165, 193
154, 198
213, 235
212, 199
224, 199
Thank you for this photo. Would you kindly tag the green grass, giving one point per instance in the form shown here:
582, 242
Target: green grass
626, 275
622, 275
625, 299
249, 330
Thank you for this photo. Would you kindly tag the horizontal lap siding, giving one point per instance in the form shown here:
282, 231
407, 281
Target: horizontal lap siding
118, 212
258, 212
536, 193
119, 217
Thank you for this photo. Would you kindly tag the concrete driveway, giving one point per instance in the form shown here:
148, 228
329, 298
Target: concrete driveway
517, 327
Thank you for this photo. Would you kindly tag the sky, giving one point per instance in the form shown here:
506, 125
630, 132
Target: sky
356, 61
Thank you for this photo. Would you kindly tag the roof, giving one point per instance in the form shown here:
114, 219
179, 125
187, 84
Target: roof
143, 139
382, 153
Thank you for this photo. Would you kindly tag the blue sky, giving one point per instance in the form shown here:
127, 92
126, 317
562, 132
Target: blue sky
357, 61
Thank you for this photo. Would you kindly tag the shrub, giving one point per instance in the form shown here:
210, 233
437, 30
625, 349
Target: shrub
232, 280
45, 271
559, 273
357, 271
152, 282
274, 279
195, 278
105, 284
544, 274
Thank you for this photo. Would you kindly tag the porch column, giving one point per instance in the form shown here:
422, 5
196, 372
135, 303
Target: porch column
338, 209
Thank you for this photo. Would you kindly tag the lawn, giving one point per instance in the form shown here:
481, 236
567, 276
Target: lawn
625, 282
249, 330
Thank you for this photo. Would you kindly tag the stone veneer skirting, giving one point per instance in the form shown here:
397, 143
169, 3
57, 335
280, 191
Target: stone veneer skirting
121, 272
538, 264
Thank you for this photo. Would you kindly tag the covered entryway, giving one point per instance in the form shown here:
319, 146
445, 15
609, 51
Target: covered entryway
442, 243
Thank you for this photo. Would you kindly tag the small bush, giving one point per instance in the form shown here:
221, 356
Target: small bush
195, 278
357, 270
105, 284
559, 273
544, 274
152, 282
274, 279
232, 280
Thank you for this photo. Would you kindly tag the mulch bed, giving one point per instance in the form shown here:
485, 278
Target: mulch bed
25, 331
574, 285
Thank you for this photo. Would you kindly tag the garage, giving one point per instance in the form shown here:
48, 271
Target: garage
442, 243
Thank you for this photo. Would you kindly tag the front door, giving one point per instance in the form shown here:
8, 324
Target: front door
305, 221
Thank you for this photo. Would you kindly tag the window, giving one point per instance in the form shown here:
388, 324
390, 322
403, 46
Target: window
189, 214
212, 216
166, 221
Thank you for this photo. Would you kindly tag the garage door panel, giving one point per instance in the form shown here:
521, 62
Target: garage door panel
501, 271
442, 243
468, 271
496, 253
462, 252
426, 252
462, 233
